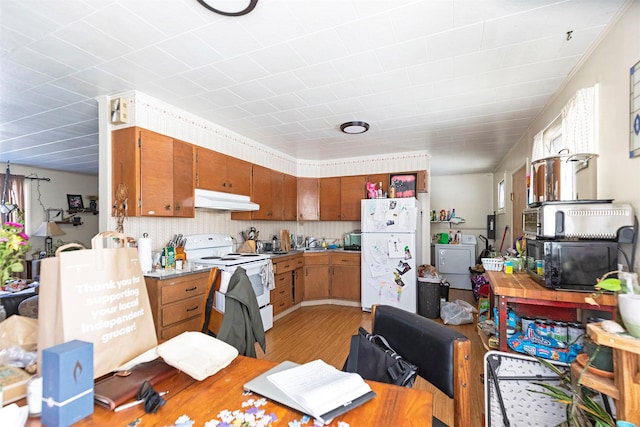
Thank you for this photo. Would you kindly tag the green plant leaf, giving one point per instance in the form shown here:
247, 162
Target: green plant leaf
609, 284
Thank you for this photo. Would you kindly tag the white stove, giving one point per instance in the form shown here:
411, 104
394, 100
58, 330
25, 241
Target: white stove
216, 250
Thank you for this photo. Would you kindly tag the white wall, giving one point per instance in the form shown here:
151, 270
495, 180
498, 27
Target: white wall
608, 65
53, 194
470, 195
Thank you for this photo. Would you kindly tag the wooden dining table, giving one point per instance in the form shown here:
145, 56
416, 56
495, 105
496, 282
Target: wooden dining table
203, 401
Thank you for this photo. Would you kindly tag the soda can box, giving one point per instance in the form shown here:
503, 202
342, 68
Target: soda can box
67, 383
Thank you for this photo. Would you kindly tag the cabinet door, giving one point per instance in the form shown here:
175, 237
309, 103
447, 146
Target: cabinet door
183, 179
352, 190
238, 176
330, 199
377, 179
261, 193
125, 167
316, 282
298, 285
290, 195
277, 196
345, 276
212, 170
345, 282
308, 199
156, 174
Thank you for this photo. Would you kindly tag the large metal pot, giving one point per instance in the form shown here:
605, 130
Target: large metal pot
564, 177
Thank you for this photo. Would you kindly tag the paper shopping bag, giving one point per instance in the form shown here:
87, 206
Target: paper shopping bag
97, 295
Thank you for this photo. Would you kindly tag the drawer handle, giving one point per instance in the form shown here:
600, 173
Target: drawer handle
191, 289
191, 309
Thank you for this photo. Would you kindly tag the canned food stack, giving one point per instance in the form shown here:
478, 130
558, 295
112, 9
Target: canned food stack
545, 338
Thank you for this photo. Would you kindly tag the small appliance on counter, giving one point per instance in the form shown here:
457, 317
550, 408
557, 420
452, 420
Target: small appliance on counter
570, 244
352, 241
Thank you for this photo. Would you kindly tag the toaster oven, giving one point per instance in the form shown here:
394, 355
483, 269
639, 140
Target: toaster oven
575, 220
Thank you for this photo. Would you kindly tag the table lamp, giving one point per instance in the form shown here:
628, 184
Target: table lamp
46, 230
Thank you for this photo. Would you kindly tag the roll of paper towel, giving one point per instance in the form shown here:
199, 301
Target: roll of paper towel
144, 254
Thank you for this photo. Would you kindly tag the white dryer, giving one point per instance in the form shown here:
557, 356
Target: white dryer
453, 261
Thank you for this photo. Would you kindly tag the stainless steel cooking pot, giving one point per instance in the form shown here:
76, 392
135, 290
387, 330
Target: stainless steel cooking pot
564, 177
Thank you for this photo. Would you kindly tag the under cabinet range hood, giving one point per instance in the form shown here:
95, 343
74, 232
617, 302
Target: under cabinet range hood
217, 200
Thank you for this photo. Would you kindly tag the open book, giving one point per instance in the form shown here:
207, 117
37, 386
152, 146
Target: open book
315, 388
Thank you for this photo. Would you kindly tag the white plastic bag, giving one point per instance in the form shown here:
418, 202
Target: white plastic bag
457, 312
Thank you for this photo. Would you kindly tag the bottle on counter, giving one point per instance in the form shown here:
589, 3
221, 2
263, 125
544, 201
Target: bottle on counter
324, 243
380, 190
453, 213
392, 191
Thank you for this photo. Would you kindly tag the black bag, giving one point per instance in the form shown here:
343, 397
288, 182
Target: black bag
373, 358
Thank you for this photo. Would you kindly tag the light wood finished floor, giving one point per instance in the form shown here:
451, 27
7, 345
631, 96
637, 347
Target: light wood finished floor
324, 331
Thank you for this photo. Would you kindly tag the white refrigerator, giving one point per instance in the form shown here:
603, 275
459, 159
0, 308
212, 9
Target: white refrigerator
390, 250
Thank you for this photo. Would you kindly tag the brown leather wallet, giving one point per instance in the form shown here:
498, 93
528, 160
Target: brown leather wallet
117, 389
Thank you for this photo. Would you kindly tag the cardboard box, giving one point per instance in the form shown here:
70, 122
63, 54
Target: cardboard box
13, 381
67, 383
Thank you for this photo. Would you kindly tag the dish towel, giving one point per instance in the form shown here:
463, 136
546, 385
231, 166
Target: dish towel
266, 275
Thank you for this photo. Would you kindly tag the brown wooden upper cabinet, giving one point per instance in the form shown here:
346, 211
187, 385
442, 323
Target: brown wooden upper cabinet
155, 171
308, 199
219, 172
340, 198
290, 197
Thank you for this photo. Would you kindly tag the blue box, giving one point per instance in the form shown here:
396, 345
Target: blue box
67, 383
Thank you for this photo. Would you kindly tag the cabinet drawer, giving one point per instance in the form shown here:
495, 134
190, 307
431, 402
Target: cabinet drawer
345, 259
281, 292
298, 262
284, 266
282, 300
316, 259
175, 330
283, 280
176, 290
182, 310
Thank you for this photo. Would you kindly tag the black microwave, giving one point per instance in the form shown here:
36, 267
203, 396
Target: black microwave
570, 264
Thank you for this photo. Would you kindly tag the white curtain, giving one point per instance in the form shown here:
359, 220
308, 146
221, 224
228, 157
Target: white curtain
538, 147
578, 122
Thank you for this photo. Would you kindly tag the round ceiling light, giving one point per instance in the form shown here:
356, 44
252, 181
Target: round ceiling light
354, 127
229, 7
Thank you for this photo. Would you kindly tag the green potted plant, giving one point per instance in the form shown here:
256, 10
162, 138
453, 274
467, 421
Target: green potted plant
628, 295
582, 410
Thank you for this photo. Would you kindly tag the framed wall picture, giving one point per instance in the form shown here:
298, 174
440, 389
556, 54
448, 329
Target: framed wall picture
405, 184
75, 201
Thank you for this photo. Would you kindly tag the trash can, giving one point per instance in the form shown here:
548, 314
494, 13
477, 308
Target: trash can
444, 290
428, 297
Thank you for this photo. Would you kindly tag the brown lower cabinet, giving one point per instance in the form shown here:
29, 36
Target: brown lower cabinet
177, 304
285, 270
332, 275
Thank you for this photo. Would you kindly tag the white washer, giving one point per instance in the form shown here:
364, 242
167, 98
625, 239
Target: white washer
453, 261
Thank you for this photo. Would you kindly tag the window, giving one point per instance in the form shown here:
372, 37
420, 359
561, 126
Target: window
501, 194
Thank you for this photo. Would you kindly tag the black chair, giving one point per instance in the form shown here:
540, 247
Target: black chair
442, 355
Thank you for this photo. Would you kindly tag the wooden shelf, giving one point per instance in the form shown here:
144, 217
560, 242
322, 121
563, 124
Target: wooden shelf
595, 382
84, 210
624, 388
70, 223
